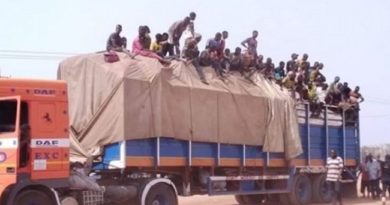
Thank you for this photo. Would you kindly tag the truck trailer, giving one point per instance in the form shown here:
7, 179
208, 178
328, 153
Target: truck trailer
39, 144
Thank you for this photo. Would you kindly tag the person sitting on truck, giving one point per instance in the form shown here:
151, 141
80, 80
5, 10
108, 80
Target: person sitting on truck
165, 46
291, 64
322, 94
191, 53
115, 41
334, 168
279, 73
124, 43
236, 62
268, 69
138, 46
156, 46
345, 91
260, 65
213, 44
289, 83
227, 57
355, 97
316, 76
303, 67
248, 64
315, 105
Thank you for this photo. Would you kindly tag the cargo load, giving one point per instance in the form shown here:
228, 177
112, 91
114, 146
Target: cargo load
139, 98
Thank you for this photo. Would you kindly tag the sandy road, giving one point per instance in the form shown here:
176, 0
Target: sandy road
229, 200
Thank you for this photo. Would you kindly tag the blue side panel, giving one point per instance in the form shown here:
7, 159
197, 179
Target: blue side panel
203, 149
170, 147
141, 147
231, 151
317, 142
336, 139
254, 152
276, 155
111, 152
351, 144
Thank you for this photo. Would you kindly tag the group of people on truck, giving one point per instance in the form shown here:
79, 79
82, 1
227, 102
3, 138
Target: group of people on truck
373, 171
305, 82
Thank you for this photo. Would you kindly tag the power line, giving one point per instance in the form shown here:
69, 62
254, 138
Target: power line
376, 116
38, 52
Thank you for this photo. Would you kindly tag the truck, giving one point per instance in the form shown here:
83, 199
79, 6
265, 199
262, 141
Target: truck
36, 149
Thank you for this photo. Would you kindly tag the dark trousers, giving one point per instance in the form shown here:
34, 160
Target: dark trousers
217, 67
364, 185
198, 68
374, 188
335, 189
167, 49
385, 187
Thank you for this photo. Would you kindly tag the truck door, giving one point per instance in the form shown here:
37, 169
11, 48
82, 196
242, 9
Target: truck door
9, 132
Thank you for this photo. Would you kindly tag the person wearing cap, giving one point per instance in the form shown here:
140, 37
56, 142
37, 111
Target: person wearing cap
291, 64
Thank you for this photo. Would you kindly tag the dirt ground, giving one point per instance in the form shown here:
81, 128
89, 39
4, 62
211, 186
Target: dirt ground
229, 200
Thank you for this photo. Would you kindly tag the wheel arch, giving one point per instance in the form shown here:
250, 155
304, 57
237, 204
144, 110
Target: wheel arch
153, 182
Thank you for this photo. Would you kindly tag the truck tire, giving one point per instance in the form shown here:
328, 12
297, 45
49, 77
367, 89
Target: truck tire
161, 194
252, 199
29, 197
321, 191
69, 201
301, 191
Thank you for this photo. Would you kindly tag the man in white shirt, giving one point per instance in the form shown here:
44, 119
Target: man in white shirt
334, 166
374, 173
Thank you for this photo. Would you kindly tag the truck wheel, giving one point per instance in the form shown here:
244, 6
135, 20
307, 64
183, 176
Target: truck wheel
300, 193
161, 194
250, 199
33, 197
69, 201
321, 191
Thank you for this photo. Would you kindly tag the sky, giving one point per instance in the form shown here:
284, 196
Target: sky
350, 37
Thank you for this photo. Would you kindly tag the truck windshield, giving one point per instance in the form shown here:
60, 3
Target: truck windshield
8, 110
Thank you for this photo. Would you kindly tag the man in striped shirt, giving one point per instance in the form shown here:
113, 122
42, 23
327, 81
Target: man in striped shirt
334, 165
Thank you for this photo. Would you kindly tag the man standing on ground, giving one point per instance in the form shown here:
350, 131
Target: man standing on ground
334, 165
374, 172
386, 175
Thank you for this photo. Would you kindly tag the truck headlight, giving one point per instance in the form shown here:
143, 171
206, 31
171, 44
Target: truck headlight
3, 157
